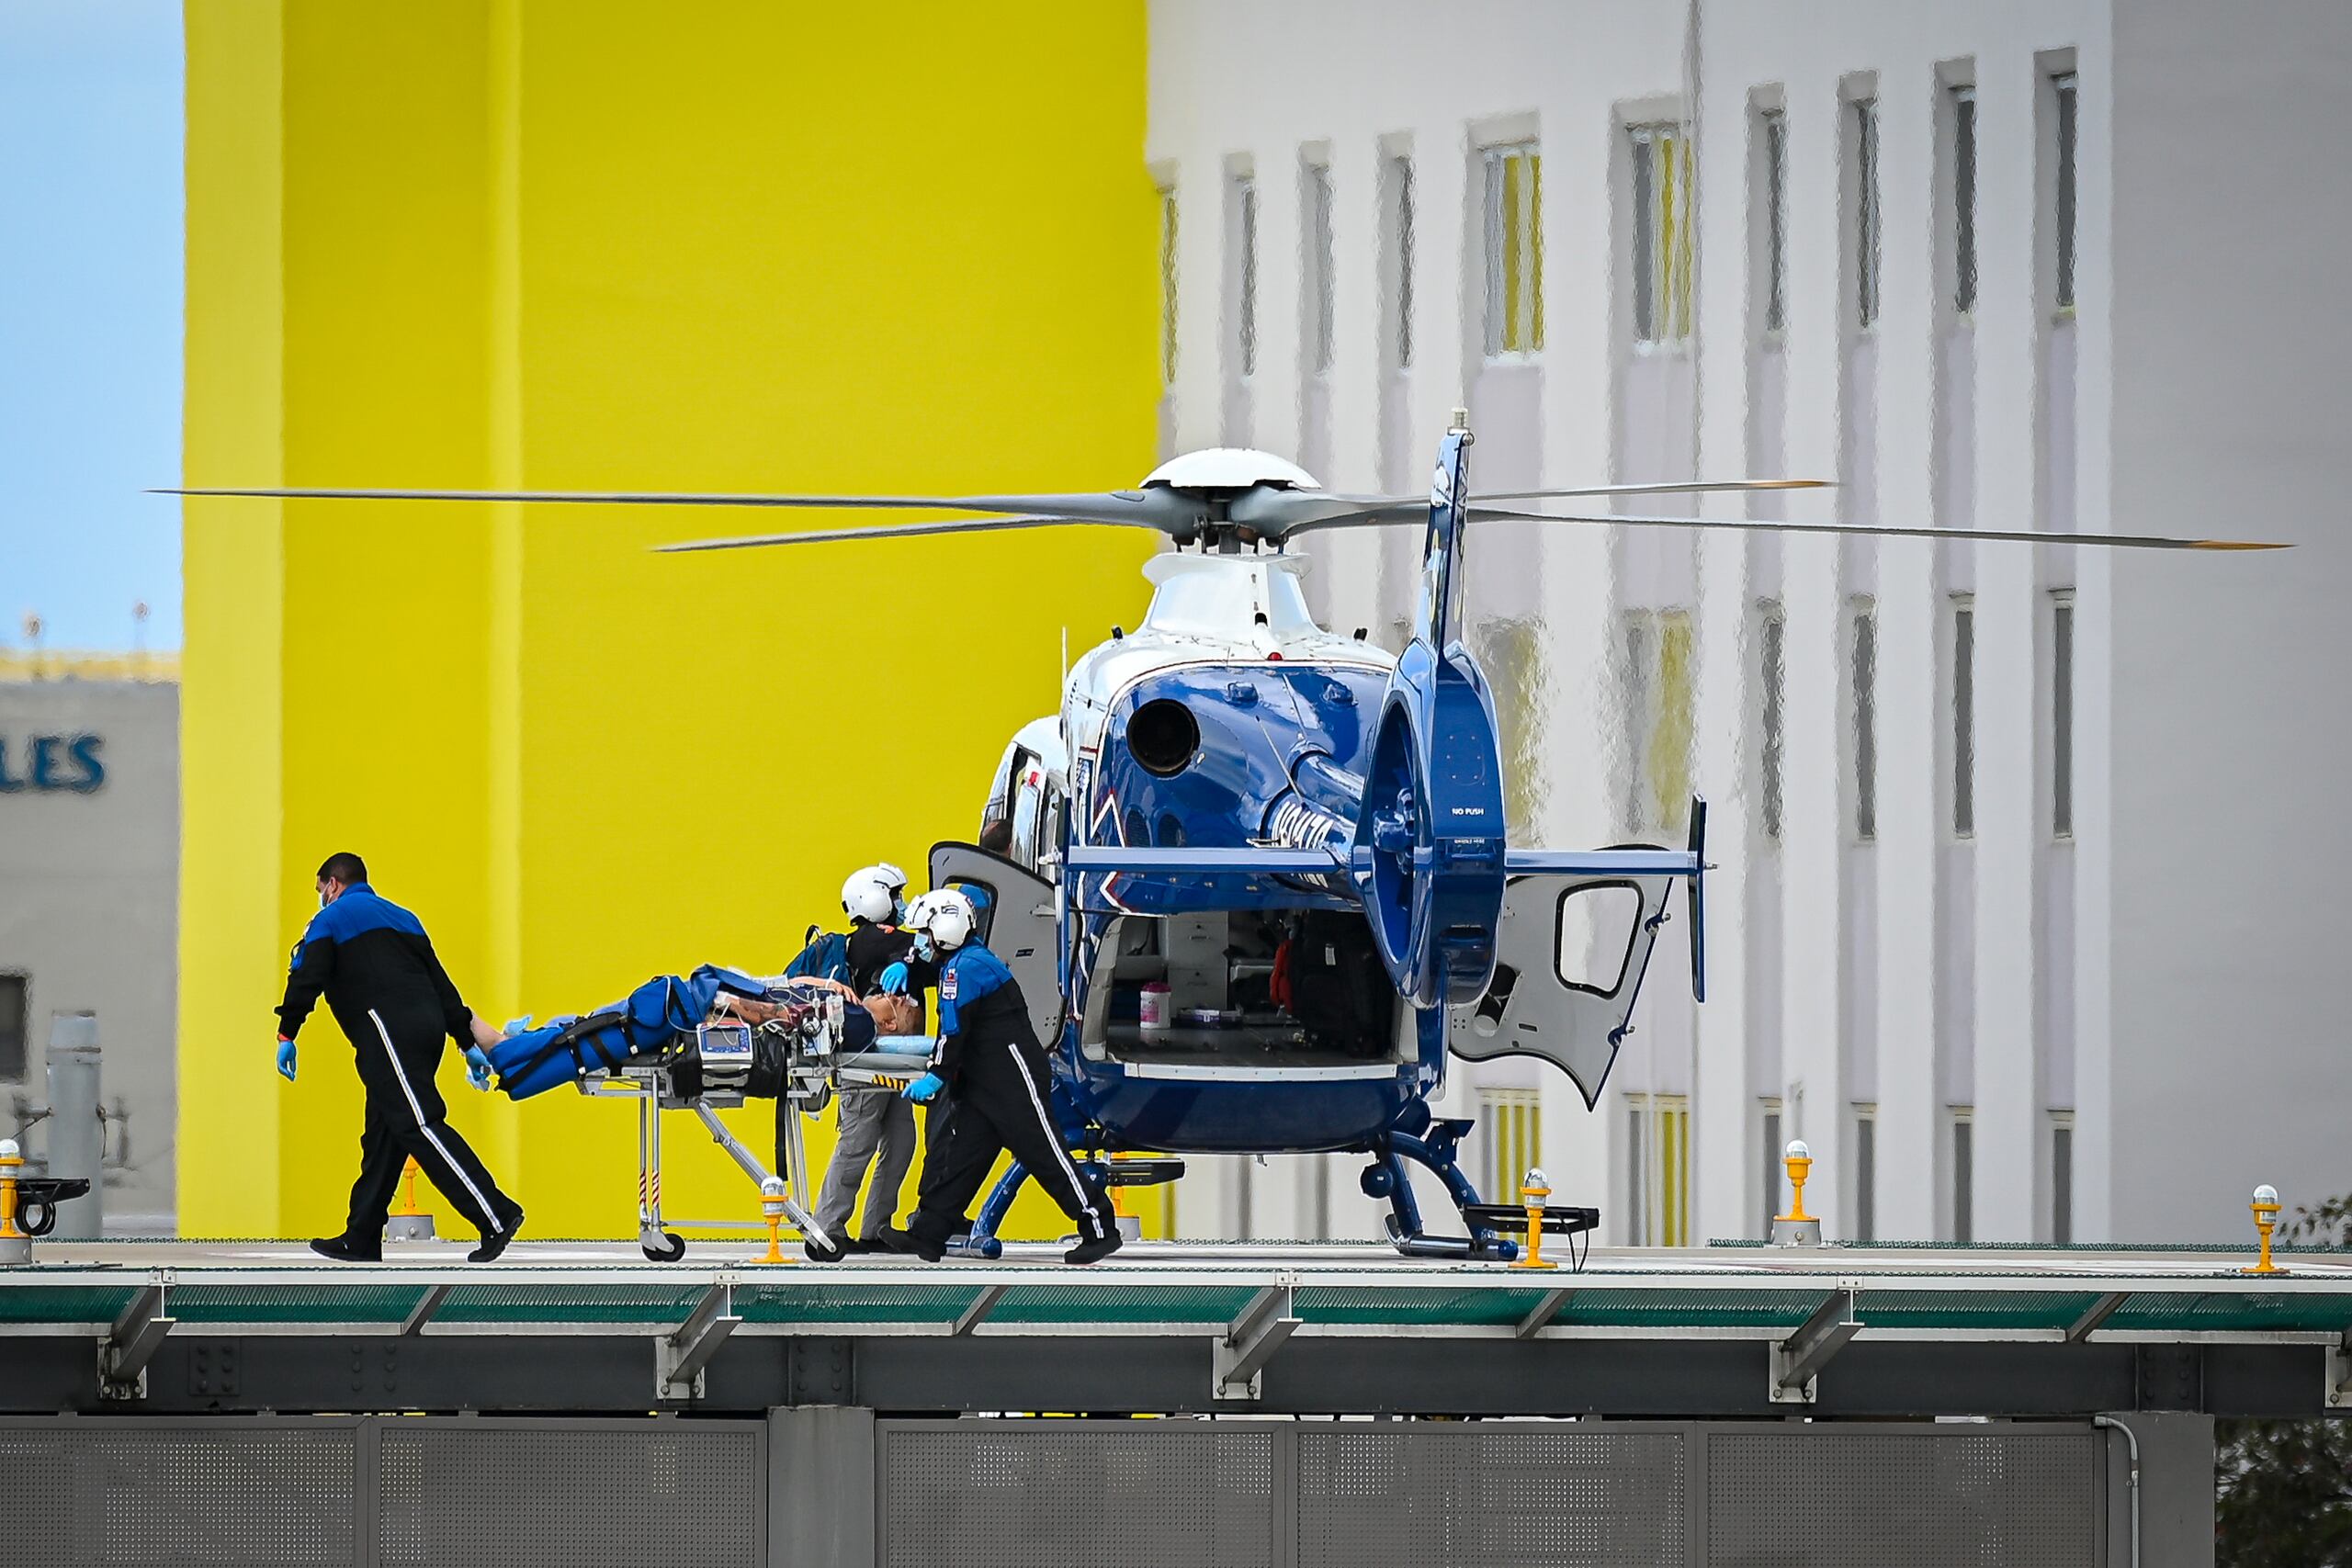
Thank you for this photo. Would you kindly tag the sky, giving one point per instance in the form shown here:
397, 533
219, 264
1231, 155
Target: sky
91, 131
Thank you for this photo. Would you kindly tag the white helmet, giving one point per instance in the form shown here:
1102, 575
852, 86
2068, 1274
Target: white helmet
871, 894
945, 915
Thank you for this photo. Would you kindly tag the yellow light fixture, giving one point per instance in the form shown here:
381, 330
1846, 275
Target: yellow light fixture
772, 1205
2265, 1220
1799, 1161
1536, 1188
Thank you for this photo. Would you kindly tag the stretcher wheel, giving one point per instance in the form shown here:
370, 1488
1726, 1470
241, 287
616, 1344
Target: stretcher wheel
672, 1247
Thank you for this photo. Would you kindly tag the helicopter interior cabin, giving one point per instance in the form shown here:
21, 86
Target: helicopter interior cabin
1244, 988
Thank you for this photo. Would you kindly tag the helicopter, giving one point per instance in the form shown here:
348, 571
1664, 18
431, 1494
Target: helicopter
1253, 877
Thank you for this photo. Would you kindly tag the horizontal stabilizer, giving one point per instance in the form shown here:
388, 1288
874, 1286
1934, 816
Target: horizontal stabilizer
1203, 861
1602, 862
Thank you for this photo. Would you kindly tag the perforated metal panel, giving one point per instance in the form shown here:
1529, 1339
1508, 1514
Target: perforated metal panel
177, 1498
1018, 1493
1941, 1499
1488, 1496
490, 1494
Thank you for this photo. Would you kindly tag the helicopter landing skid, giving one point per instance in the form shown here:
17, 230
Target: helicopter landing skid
1436, 1150
1114, 1171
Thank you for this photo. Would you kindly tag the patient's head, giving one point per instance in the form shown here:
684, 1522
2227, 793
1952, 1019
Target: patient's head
893, 1014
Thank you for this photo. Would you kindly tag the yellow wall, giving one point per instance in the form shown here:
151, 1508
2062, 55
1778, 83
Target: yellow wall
584, 246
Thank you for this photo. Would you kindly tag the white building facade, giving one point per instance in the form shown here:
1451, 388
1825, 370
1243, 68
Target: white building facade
2024, 918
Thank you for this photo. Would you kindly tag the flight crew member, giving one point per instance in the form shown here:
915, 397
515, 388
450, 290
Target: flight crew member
387, 988
874, 1129
992, 1070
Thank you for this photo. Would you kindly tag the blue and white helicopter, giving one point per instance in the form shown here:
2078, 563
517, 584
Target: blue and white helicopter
1256, 887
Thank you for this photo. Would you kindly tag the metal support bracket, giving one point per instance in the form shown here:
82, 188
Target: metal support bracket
680, 1356
1796, 1361
422, 1312
2098, 1312
2338, 1389
1544, 1312
1251, 1341
137, 1334
982, 1304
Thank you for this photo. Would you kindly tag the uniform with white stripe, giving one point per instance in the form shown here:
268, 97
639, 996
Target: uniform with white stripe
999, 1097
377, 969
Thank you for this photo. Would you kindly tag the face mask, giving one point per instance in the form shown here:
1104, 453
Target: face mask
322, 900
922, 949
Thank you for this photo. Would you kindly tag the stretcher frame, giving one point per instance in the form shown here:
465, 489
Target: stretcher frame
652, 1085
815, 1072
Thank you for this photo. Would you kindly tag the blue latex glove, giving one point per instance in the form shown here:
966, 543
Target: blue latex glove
286, 1058
894, 979
923, 1089
517, 1025
477, 1068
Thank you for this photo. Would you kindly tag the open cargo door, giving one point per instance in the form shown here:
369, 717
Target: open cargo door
1570, 957
1019, 925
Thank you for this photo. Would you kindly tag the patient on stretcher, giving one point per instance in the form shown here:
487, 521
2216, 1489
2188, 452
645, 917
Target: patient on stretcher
668, 1008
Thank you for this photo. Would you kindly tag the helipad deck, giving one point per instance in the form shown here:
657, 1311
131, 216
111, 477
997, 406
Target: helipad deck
234, 1326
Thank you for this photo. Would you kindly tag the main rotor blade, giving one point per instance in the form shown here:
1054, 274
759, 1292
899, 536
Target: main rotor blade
1662, 487
1158, 508
1763, 525
883, 531
1297, 512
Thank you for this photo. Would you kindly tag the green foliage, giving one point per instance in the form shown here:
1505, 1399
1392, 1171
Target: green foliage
2283, 1489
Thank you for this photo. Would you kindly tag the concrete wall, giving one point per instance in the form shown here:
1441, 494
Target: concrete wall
576, 245
88, 912
2030, 979
2232, 731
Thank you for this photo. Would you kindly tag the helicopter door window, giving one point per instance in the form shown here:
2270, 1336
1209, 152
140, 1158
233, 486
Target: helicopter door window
1026, 802
1597, 924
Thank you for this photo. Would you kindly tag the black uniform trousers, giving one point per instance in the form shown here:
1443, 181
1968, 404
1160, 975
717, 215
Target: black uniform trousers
406, 1117
999, 1102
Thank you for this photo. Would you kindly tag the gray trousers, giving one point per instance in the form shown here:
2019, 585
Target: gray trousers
871, 1125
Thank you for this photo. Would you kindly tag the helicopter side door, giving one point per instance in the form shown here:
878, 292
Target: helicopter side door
1019, 925
1570, 957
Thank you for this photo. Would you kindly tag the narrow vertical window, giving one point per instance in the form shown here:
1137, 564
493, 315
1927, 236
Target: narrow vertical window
1963, 716
1661, 261
1246, 215
1963, 199
1400, 193
1865, 699
2061, 715
1514, 1121
1638, 1165
2062, 87
1168, 286
1776, 220
2062, 1178
1963, 1175
1515, 246
1773, 1167
1866, 1173
1771, 641
1318, 269
1866, 213
1660, 692
1639, 663
14, 1025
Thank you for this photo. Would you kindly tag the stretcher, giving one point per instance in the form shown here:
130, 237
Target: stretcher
721, 1062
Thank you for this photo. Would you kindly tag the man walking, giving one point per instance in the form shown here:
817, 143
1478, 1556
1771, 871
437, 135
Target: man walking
386, 986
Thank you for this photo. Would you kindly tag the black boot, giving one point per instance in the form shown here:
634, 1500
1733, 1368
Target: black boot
349, 1249
1096, 1250
496, 1241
